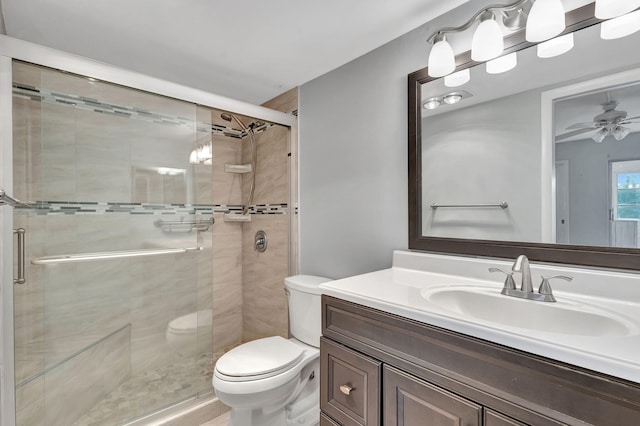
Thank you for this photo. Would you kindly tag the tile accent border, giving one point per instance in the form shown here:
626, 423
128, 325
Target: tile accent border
89, 208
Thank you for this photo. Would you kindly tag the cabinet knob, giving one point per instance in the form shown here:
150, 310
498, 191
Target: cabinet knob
346, 389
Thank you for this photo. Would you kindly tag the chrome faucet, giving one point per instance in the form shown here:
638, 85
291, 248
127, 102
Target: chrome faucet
521, 265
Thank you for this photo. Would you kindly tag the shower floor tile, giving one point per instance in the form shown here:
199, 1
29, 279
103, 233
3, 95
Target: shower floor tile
151, 391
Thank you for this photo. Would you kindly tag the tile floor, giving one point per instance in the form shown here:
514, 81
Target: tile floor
150, 390
222, 420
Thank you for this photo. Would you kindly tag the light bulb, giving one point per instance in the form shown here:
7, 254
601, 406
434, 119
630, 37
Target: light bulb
621, 26
457, 78
441, 58
487, 42
452, 98
432, 103
620, 132
556, 46
606, 9
546, 20
502, 64
600, 135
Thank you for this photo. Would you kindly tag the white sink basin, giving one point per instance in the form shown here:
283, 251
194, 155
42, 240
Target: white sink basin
564, 317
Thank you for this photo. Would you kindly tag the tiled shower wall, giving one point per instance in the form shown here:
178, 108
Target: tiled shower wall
249, 299
264, 300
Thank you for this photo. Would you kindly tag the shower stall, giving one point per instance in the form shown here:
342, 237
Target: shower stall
126, 218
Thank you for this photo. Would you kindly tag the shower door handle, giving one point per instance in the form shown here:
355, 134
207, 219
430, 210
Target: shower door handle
21, 256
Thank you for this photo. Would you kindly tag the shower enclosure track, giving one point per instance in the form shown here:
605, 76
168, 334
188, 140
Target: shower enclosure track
87, 257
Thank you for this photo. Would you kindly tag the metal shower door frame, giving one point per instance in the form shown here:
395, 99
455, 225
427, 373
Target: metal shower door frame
11, 49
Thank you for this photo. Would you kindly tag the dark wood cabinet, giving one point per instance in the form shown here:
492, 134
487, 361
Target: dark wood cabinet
350, 385
417, 374
411, 401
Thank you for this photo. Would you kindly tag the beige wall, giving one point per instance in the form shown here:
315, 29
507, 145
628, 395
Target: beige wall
264, 300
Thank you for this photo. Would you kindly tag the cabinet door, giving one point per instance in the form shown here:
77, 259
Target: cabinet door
349, 385
327, 421
492, 418
409, 401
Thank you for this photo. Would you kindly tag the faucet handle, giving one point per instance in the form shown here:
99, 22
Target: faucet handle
509, 284
545, 287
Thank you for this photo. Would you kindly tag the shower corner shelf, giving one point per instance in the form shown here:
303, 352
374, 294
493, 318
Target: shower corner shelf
237, 168
231, 217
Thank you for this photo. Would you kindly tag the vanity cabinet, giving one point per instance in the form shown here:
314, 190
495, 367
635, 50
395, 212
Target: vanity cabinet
381, 369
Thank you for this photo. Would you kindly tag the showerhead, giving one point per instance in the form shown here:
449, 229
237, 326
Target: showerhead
225, 116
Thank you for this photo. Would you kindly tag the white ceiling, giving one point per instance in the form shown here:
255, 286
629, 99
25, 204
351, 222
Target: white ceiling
250, 50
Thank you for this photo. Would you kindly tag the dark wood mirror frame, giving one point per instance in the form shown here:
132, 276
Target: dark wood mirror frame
606, 257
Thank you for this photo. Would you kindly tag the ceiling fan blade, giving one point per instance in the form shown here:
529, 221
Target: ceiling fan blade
580, 125
574, 133
632, 118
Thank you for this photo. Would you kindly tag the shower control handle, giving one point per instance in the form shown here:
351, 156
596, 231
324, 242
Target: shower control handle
260, 242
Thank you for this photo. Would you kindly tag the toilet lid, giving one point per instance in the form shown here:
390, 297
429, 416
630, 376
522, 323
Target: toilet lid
259, 357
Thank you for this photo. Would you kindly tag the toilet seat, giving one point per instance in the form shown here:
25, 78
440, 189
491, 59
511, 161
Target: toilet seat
258, 359
189, 323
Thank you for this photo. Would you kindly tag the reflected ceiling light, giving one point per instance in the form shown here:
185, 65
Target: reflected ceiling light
621, 26
457, 78
620, 132
606, 9
600, 135
441, 58
502, 64
546, 20
452, 98
556, 46
432, 103
487, 42
201, 155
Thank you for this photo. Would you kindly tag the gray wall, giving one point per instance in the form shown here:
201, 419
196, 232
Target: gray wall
353, 156
486, 153
589, 184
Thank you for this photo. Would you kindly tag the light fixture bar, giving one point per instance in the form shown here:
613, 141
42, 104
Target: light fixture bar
493, 8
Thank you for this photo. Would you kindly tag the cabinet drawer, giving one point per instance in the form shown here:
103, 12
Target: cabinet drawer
491, 418
326, 421
411, 401
349, 385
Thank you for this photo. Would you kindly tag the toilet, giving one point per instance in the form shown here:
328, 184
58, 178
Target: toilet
182, 332
276, 381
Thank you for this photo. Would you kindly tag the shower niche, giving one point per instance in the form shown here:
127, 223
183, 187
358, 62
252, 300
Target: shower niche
132, 284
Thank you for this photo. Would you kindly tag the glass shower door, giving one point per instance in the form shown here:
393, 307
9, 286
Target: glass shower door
114, 321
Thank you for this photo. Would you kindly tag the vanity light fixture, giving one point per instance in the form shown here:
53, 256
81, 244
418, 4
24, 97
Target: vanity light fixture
442, 61
488, 41
606, 9
556, 46
621, 26
502, 64
488, 38
457, 78
546, 20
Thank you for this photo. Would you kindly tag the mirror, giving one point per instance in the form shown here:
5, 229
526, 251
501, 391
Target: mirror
529, 161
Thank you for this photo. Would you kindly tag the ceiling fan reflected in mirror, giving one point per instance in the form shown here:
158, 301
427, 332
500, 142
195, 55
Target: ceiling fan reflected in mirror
609, 123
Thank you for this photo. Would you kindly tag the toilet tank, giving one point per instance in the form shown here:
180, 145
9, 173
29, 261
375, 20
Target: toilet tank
304, 307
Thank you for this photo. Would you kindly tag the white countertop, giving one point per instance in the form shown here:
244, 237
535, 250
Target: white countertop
401, 289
